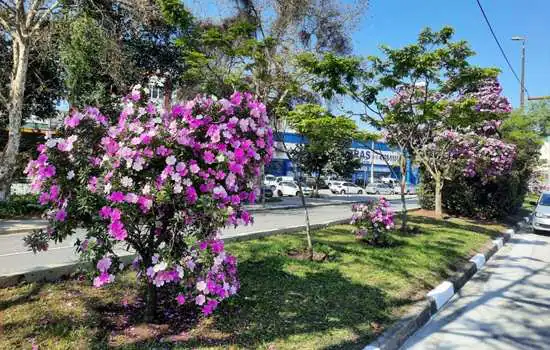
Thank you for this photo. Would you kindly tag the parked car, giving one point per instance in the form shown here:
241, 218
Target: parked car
379, 188
347, 188
409, 189
266, 191
310, 182
270, 181
541, 214
333, 187
290, 188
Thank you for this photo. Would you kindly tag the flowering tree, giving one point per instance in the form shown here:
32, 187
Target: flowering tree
435, 89
373, 221
160, 183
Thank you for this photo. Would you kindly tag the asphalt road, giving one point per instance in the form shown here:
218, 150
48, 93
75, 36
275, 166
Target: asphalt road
15, 257
505, 306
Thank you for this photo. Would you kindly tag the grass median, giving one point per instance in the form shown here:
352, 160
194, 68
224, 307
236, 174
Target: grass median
283, 303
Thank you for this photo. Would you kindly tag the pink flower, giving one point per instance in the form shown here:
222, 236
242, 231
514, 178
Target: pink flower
191, 194
104, 264
105, 212
61, 215
217, 246
209, 157
200, 299
194, 168
103, 279
44, 198
180, 299
116, 197
117, 230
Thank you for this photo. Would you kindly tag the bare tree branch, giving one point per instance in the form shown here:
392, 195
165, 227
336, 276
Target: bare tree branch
45, 15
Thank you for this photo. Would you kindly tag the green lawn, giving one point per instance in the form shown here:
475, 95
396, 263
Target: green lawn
283, 303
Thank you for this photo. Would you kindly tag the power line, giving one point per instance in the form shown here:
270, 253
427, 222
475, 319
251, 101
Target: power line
500, 46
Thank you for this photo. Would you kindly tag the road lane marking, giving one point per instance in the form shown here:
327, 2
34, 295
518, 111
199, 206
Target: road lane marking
31, 252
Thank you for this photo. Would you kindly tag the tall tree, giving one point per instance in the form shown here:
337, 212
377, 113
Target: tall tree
21, 21
434, 89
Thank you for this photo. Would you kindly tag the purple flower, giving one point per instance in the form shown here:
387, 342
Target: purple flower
116, 197
61, 215
104, 264
180, 299
191, 195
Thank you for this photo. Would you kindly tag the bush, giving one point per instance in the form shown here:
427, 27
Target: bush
373, 222
20, 206
162, 183
426, 194
496, 199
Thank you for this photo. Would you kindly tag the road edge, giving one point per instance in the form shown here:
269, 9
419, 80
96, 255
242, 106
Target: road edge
421, 312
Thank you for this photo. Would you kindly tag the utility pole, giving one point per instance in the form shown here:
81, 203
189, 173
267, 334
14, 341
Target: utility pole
522, 83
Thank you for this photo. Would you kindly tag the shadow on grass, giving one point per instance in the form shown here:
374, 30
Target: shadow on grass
275, 304
21, 299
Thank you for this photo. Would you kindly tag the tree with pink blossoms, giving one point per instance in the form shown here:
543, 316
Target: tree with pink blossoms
161, 184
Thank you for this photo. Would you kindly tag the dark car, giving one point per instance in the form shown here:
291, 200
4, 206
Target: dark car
267, 192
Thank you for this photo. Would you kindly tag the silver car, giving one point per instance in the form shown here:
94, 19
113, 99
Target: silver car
541, 215
379, 188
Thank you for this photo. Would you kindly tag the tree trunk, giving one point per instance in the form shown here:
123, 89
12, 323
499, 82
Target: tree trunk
438, 203
403, 165
8, 159
308, 225
151, 302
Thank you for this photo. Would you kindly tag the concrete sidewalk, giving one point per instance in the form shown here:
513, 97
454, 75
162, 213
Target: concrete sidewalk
505, 306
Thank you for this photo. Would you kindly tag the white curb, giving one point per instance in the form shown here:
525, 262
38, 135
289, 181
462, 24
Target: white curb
499, 243
510, 231
442, 293
370, 347
479, 260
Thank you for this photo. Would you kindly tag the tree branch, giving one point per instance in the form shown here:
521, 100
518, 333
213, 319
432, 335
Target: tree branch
44, 15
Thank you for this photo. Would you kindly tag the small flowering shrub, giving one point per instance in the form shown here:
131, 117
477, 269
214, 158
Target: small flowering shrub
160, 183
373, 221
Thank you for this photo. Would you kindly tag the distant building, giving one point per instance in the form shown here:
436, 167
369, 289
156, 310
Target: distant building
373, 166
544, 169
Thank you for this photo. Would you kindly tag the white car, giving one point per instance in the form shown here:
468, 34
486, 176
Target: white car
290, 188
333, 186
347, 188
379, 188
409, 189
541, 215
270, 181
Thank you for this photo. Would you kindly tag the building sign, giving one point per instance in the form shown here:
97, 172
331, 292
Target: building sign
366, 156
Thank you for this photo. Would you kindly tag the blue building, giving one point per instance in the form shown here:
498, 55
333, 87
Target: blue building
373, 166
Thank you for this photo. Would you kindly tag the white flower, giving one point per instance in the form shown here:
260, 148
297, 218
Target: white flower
180, 271
157, 120
107, 188
70, 174
137, 166
158, 224
127, 181
178, 188
201, 286
220, 158
160, 266
176, 177
121, 266
146, 189
171, 160
187, 182
162, 245
51, 143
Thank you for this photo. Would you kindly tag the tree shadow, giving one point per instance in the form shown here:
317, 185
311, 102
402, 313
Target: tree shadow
23, 298
275, 304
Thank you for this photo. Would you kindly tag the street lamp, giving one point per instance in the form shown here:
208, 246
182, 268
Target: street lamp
522, 83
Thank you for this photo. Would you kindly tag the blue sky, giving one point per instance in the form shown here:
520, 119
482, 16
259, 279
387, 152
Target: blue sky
397, 23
